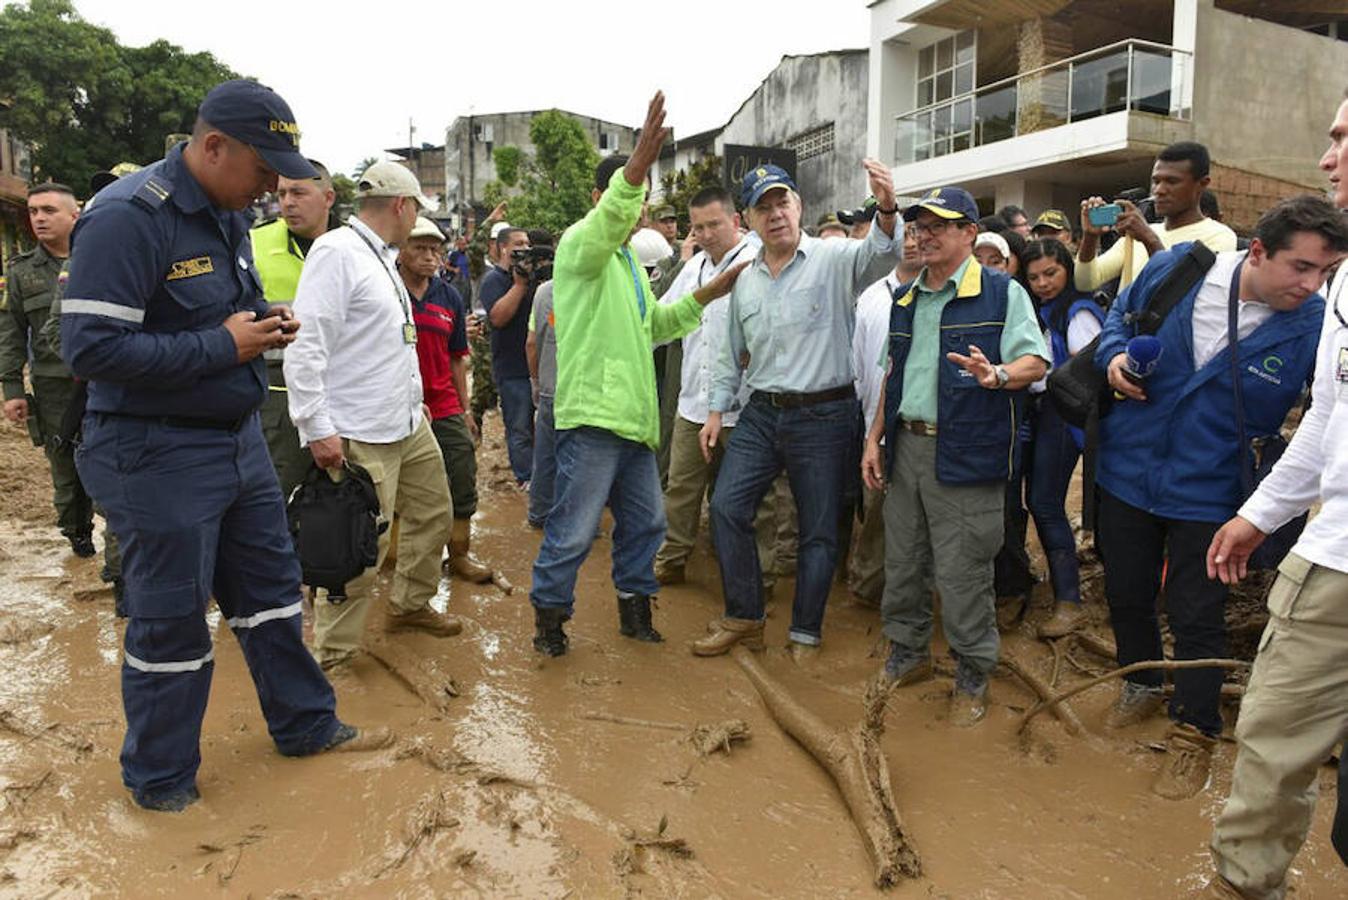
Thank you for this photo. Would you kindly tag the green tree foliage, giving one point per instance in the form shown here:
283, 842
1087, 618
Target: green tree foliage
678, 188
508, 160
84, 101
362, 166
345, 189
553, 185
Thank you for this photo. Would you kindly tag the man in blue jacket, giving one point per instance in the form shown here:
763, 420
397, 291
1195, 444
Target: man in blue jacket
1170, 455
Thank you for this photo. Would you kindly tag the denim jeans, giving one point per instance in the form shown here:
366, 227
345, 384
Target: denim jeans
596, 467
517, 414
1052, 463
811, 443
542, 485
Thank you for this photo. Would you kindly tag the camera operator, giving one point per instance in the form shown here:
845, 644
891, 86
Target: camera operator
507, 295
1178, 178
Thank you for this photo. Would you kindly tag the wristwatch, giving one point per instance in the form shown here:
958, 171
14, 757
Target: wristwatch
1003, 376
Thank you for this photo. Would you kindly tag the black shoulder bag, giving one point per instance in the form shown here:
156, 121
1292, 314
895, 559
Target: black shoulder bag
1257, 456
1080, 390
336, 527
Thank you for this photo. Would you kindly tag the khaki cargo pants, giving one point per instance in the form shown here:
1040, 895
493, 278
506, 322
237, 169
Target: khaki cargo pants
1294, 712
409, 477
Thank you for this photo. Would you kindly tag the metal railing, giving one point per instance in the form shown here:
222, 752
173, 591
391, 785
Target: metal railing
1129, 74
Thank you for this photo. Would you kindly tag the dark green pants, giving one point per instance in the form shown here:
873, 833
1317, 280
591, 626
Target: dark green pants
290, 460
456, 446
74, 509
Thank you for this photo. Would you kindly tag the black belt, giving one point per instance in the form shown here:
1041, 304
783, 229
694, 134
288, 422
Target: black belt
230, 425
792, 401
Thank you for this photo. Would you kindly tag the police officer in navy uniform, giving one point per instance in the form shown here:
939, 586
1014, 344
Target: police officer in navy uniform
163, 315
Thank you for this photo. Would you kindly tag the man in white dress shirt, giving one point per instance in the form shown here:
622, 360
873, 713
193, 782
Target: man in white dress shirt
1295, 709
355, 394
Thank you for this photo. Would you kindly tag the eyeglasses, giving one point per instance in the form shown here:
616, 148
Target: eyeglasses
936, 226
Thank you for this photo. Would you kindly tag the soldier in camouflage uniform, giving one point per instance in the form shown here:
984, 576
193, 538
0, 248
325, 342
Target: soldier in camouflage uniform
30, 286
479, 337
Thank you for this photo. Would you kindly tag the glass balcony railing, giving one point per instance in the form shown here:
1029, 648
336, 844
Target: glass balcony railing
1136, 75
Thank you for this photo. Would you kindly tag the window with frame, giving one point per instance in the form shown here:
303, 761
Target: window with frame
812, 143
945, 72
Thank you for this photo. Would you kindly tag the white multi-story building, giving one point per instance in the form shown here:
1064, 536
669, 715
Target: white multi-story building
1039, 103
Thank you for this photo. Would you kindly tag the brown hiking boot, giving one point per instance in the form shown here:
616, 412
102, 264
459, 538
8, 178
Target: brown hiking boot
1188, 761
669, 573
349, 739
1135, 703
726, 633
424, 619
461, 562
1067, 618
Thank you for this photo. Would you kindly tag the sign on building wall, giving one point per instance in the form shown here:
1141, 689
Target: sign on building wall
739, 160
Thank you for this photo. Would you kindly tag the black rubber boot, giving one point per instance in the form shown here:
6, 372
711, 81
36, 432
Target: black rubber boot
634, 618
548, 635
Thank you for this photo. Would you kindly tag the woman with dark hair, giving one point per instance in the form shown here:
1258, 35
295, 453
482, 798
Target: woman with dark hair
1070, 320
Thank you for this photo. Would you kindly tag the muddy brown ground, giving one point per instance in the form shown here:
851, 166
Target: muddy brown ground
511, 791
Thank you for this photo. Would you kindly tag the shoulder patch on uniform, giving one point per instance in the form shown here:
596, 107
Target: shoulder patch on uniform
190, 268
154, 191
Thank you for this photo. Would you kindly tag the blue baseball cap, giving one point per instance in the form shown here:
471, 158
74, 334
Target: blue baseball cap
946, 202
256, 115
762, 179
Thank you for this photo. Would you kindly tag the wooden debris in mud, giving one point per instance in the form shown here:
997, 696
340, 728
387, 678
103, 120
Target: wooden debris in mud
430, 815
56, 733
420, 673
1061, 710
18, 794
630, 859
707, 739
856, 763
1166, 664
626, 720
442, 759
18, 629
498, 578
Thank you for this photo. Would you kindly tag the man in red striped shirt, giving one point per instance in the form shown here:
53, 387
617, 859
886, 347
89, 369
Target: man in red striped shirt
442, 351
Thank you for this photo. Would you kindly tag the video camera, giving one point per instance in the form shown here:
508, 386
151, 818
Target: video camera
533, 263
1142, 199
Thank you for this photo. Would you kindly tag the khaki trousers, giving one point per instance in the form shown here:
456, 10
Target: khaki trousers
866, 567
690, 478
1294, 712
409, 477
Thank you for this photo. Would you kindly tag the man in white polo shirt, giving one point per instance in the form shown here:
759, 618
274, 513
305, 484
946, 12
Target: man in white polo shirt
355, 394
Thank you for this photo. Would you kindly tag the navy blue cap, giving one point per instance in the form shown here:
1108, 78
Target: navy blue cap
762, 179
256, 115
946, 202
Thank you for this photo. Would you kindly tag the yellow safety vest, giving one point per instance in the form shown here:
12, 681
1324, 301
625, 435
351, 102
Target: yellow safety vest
279, 261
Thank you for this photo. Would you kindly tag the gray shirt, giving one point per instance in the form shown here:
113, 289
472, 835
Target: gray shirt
545, 338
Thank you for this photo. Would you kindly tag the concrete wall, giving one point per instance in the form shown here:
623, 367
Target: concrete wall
469, 164
1264, 95
804, 93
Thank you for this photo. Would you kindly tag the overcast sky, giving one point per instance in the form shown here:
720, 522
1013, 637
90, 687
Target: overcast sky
354, 74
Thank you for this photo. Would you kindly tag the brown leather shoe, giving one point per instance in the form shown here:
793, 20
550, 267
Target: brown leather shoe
349, 739
802, 654
462, 562
726, 633
1188, 762
1066, 618
336, 663
424, 619
1134, 704
1218, 888
669, 573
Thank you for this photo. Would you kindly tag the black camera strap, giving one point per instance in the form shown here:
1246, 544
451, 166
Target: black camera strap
1187, 271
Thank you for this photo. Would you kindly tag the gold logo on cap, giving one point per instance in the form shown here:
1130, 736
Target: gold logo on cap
761, 173
289, 128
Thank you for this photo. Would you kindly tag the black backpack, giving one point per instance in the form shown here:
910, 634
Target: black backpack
336, 527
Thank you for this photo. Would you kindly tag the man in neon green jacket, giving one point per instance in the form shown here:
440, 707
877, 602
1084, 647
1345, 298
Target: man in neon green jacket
606, 412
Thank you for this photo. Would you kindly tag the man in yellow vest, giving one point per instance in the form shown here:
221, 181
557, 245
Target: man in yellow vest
279, 248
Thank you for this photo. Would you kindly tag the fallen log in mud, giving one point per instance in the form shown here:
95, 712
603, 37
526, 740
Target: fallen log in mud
855, 761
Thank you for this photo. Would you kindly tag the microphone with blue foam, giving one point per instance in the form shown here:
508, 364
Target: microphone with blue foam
1140, 359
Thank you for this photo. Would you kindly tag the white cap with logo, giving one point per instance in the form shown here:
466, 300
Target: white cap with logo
390, 179
425, 228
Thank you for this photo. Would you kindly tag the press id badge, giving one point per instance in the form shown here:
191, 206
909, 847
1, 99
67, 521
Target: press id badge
409, 333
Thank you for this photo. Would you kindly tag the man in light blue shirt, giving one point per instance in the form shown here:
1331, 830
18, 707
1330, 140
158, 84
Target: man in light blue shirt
790, 323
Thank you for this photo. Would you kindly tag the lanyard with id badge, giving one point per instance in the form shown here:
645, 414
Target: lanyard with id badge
1341, 356
409, 327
